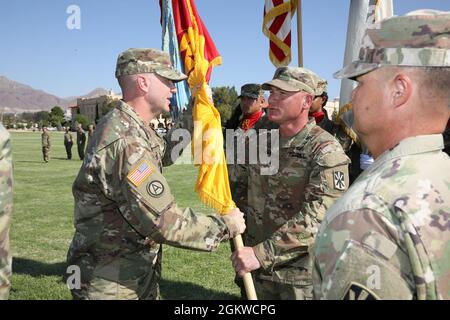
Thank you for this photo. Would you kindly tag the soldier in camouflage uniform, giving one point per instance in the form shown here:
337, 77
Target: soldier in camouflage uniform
6, 200
247, 116
81, 142
318, 112
68, 143
388, 237
284, 210
45, 138
124, 209
250, 110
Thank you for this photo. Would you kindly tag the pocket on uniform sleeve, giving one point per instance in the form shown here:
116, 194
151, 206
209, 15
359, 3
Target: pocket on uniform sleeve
149, 186
335, 171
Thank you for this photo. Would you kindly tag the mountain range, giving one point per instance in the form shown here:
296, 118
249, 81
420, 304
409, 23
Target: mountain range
17, 97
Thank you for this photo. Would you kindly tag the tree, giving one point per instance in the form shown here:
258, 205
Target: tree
108, 105
56, 117
225, 112
83, 120
42, 118
225, 100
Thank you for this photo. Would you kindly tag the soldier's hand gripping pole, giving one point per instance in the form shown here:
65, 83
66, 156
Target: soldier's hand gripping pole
248, 280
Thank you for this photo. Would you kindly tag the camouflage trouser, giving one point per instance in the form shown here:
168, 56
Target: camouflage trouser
269, 290
81, 151
101, 289
46, 153
143, 288
5, 276
69, 150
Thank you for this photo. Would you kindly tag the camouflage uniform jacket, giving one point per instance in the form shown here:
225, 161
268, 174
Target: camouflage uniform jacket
6, 201
236, 171
124, 208
81, 138
285, 209
45, 140
388, 237
327, 124
68, 138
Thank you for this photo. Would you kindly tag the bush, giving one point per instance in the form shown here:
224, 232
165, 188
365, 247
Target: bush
83, 120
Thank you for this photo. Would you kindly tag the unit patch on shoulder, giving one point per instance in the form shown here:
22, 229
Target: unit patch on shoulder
140, 173
339, 180
357, 291
155, 189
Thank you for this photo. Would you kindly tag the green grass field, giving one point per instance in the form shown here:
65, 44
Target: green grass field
42, 228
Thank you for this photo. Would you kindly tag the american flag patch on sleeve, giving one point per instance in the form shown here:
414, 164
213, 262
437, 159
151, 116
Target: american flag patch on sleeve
140, 173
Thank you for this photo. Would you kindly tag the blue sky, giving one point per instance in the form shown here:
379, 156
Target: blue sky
39, 50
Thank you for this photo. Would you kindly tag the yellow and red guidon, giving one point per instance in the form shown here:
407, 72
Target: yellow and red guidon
192, 32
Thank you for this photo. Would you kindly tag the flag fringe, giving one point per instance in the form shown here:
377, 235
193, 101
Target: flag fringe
212, 202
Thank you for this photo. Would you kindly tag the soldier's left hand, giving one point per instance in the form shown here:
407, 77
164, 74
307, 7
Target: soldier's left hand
244, 260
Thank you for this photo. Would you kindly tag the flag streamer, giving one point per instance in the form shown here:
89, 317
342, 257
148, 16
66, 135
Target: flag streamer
199, 55
277, 27
170, 45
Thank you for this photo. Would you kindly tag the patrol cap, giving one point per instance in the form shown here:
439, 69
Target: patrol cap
293, 79
322, 86
147, 60
251, 90
418, 39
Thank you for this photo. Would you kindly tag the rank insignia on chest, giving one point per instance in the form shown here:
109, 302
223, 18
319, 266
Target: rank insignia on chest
339, 180
140, 173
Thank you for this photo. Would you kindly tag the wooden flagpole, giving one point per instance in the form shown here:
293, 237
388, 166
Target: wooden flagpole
299, 33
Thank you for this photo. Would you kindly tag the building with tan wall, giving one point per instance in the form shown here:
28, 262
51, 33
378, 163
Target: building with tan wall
89, 107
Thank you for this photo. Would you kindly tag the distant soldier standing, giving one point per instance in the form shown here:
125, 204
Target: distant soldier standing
124, 209
45, 138
81, 142
6, 201
68, 143
284, 209
388, 237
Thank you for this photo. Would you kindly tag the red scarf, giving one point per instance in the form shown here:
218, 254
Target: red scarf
249, 120
319, 115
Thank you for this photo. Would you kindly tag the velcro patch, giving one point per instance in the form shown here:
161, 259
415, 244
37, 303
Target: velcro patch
357, 291
339, 180
140, 173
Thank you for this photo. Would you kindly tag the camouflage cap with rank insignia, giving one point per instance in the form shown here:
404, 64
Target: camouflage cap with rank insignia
251, 90
293, 79
418, 39
322, 87
146, 60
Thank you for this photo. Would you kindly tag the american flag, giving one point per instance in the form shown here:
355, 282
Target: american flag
140, 174
277, 27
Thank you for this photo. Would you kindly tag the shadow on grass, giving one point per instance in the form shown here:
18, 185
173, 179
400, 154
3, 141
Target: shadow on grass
38, 269
28, 161
170, 290
175, 290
